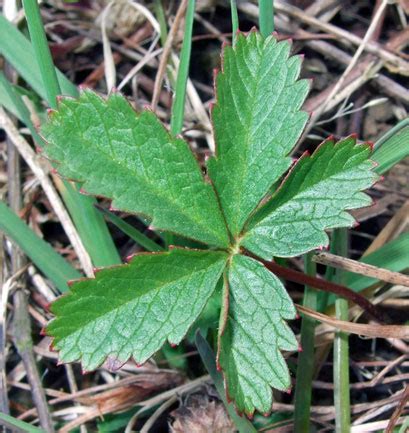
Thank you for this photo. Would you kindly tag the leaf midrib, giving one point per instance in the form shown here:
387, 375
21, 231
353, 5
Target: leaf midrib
122, 305
273, 209
151, 186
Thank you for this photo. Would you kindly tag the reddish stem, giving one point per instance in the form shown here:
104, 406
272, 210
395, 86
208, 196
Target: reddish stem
326, 286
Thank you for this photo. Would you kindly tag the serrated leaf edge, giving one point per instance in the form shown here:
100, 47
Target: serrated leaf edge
52, 112
119, 363
220, 70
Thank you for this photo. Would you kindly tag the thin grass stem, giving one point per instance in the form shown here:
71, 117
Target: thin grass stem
161, 17
178, 107
42, 51
341, 346
305, 367
266, 17
234, 20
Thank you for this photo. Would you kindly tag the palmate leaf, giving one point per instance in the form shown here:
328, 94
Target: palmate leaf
131, 310
133, 160
254, 333
257, 121
313, 198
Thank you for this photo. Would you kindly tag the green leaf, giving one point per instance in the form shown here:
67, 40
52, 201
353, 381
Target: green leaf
254, 333
132, 159
131, 310
257, 121
313, 198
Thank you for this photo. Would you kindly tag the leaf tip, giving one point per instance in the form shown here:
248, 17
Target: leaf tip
371, 145
50, 112
82, 191
130, 257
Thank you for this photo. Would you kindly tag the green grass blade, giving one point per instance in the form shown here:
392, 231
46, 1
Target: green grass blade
392, 147
132, 232
160, 16
234, 19
405, 426
5, 99
206, 353
178, 108
342, 401
89, 223
42, 51
393, 256
21, 110
266, 17
305, 367
54, 267
17, 50
91, 226
18, 425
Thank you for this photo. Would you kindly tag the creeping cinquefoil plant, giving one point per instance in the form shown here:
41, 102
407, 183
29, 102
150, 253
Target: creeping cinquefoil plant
241, 213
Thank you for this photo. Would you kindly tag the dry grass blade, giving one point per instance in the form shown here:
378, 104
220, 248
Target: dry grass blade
400, 65
166, 53
122, 397
350, 265
371, 30
375, 331
109, 62
393, 229
396, 414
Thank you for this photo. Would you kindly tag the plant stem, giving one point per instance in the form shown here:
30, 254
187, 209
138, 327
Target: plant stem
266, 17
234, 20
178, 108
341, 346
42, 51
345, 292
305, 367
